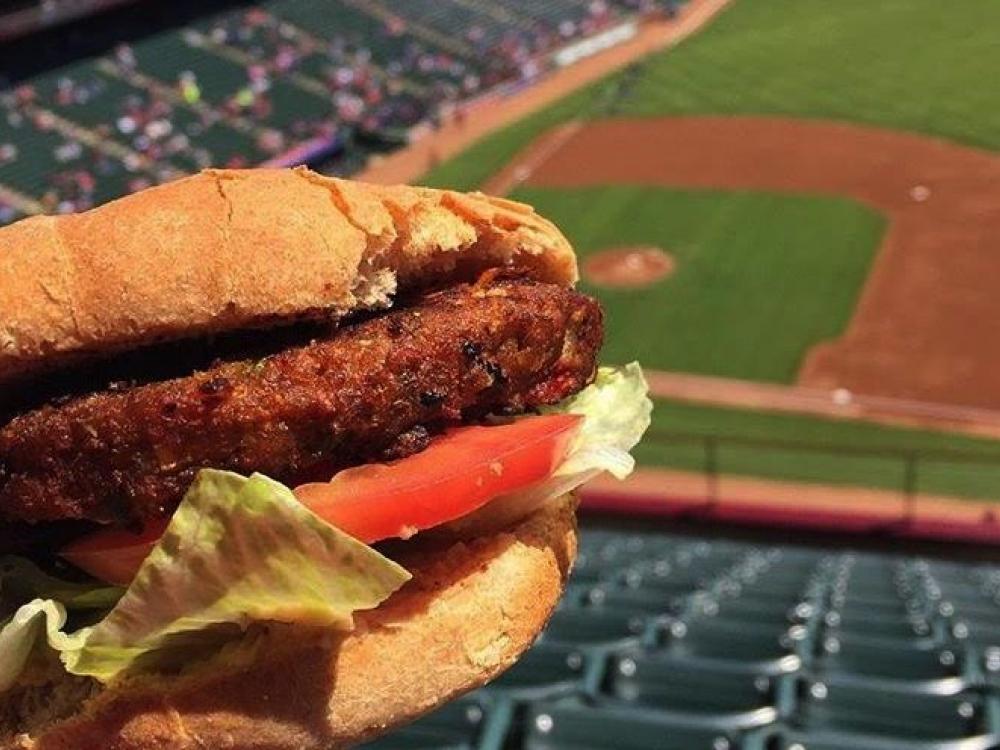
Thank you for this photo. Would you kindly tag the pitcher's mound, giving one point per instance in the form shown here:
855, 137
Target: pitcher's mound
628, 267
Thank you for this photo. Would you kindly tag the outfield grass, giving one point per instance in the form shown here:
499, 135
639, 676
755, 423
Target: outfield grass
821, 466
918, 65
759, 277
915, 65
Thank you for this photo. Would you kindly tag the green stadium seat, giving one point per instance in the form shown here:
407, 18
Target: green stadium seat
102, 109
656, 603
761, 650
746, 654
931, 670
593, 627
454, 727
858, 605
914, 631
576, 726
335, 19
546, 671
981, 608
789, 740
731, 699
755, 611
872, 709
31, 171
416, 738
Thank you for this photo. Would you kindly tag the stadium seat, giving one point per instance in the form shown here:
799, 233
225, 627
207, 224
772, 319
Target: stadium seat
760, 650
453, 727
593, 627
932, 670
725, 697
754, 610
577, 726
791, 740
747, 655
546, 671
855, 707
982, 633
652, 603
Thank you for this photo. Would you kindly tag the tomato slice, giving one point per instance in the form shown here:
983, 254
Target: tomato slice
457, 473
114, 556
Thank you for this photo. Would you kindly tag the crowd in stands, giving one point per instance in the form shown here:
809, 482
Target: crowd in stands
242, 87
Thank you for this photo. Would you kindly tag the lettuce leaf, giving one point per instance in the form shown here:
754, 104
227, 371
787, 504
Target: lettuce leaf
21, 581
237, 550
617, 412
38, 621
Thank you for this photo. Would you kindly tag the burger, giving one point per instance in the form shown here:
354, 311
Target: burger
286, 460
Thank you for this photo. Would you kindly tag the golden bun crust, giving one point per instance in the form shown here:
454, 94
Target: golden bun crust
468, 614
230, 249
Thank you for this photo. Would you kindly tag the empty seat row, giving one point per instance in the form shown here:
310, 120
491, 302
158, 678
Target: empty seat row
673, 642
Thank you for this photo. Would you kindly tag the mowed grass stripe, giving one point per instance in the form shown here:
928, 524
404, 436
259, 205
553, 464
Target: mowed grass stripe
909, 64
760, 277
942, 477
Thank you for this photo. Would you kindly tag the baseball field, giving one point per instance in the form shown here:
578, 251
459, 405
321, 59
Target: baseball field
849, 60
823, 183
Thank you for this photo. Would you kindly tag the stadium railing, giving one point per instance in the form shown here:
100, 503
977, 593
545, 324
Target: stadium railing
895, 491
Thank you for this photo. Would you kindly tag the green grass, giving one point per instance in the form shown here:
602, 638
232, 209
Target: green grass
749, 265
913, 65
918, 65
935, 476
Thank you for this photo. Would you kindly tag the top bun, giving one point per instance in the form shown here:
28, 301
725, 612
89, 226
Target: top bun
232, 249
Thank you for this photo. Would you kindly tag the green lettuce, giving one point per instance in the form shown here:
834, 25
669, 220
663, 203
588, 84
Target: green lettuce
617, 412
237, 550
38, 621
21, 581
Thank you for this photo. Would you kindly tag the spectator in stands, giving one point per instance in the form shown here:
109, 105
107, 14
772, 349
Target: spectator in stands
8, 153
139, 183
25, 94
395, 26
7, 213
124, 56
271, 141
67, 151
285, 58
178, 143
188, 86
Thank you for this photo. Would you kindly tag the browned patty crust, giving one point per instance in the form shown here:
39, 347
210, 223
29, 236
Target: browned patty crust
374, 389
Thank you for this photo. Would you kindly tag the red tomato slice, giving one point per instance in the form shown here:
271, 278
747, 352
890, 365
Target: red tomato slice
114, 556
457, 473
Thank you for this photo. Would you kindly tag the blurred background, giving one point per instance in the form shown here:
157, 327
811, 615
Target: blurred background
790, 210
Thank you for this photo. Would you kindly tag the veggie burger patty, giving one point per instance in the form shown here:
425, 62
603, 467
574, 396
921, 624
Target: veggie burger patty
373, 390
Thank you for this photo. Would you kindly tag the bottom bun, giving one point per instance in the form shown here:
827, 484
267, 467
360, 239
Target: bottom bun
471, 609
